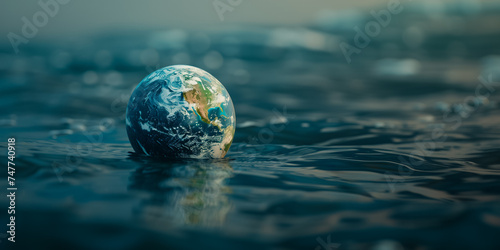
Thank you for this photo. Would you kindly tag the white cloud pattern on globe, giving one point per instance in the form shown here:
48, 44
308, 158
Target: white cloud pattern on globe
181, 112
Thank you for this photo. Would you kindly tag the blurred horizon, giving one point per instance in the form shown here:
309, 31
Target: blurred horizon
78, 19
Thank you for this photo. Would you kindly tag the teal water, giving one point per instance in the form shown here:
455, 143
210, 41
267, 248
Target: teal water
396, 150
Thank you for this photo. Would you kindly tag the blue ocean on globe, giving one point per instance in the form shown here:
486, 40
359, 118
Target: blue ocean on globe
180, 112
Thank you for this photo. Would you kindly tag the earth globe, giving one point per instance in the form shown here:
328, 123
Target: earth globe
180, 112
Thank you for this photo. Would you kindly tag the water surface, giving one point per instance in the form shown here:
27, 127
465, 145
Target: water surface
396, 150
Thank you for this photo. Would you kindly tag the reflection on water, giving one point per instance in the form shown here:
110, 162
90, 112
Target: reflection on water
185, 192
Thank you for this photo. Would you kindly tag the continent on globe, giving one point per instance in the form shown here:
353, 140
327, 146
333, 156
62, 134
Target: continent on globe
180, 112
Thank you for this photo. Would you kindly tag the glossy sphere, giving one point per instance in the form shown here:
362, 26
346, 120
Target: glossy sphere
180, 112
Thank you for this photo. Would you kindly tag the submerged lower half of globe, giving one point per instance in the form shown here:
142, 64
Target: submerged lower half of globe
181, 112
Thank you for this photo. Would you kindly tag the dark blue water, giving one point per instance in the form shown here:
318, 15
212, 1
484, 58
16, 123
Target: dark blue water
399, 149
